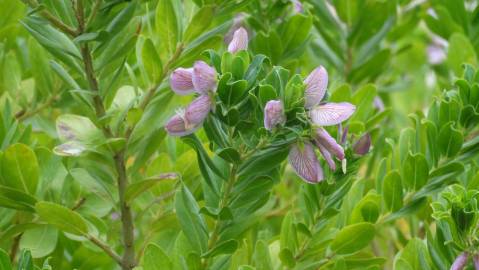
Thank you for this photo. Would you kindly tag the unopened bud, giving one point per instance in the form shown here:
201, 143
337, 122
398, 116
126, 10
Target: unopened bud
204, 77
273, 114
181, 81
239, 41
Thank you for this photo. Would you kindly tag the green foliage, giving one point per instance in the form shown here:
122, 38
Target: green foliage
91, 179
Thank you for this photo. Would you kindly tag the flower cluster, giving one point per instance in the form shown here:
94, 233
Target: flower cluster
201, 79
302, 156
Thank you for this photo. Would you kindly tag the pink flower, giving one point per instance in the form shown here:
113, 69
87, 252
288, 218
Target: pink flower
329, 114
316, 84
181, 81
273, 114
304, 161
239, 41
204, 77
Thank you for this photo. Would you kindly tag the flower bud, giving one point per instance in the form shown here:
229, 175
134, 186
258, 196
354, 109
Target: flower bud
273, 114
460, 262
204, 77
323, 138
181, 81
304, 161
316, 84
361, 147
239, 41
330, 114
198, 110
176, 126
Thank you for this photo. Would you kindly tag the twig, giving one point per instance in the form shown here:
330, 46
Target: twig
14, 248
223, 203
105, 248
24, 113
52, 18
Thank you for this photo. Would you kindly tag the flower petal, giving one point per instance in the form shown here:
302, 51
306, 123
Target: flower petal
204, 77
316, 84
198, 110
305, 163
177, 126
331, 113
181, 81
323, 138
460, 262
327, 156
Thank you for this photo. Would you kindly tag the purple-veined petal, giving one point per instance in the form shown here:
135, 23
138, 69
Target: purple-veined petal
327, 156
204, 77
460, 262
274, 114
316, 84
239, 41
329, 114
197, 110
323, 138
305, 163
181, 81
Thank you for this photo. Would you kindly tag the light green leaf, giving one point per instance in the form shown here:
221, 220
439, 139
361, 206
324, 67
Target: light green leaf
392, 191
415, 171
191, 221
20, 168
155, 258
353, 238
62, 218
167, 25
41, 240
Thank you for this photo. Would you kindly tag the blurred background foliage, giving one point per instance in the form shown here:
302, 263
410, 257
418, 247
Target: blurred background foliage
408, 204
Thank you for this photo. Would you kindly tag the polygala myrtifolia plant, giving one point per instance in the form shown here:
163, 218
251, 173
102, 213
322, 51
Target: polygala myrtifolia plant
211, 134
254, 116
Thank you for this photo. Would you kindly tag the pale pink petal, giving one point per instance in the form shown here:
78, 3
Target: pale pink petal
305, 163
316, 84
239, 41
198, 110
460, 262
181, 81
327, 156
176, 126
323, 138
331, 113
204, 77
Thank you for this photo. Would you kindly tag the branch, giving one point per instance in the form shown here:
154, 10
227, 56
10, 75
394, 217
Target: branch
128, 236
